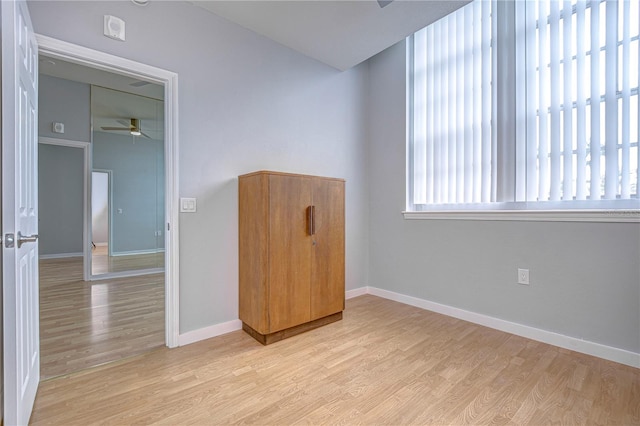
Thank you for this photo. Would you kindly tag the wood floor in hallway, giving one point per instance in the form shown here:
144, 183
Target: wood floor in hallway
85, 324
384, 363
102, 263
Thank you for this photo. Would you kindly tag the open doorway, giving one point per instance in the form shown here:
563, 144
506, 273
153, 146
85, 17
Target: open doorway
128, 144
100, 294
100, 208
88, 323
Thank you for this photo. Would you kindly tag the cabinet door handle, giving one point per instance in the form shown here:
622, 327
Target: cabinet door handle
312, 219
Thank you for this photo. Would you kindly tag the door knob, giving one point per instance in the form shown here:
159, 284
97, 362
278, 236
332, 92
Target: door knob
26, 239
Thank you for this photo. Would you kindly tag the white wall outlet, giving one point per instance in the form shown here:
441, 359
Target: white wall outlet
188, 205
523, 276
114, 27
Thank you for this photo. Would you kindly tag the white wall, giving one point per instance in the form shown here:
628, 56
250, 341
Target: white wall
585, 277
245, 103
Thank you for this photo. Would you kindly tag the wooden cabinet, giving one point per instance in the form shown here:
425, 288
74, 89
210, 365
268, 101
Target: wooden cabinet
291, 253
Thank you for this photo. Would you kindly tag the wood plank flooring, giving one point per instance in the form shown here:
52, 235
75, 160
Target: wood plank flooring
102, 263
84, 324
384, 363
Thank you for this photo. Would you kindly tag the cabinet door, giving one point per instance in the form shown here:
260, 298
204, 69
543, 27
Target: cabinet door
327, 260
289, 251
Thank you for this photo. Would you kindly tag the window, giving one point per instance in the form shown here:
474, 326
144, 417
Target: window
526, 105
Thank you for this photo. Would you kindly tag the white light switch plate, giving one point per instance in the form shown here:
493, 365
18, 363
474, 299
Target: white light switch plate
188, 205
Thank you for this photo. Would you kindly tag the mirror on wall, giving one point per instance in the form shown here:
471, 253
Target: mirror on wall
127, 191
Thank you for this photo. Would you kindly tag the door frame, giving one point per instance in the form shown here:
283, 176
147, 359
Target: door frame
95, 59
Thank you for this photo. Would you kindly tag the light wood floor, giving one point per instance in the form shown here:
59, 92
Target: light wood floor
384, 363
102, 263
84, 324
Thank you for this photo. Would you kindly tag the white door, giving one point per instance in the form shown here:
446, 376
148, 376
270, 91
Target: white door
19, 212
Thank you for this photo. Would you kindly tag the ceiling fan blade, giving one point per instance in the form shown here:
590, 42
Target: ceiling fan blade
116, 128
125, 122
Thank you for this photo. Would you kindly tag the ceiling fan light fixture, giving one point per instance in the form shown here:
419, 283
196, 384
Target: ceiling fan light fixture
135, 127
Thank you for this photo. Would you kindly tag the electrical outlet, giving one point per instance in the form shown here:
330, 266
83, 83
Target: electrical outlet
523, 276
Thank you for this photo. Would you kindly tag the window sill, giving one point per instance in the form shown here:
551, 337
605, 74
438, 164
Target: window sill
618, 216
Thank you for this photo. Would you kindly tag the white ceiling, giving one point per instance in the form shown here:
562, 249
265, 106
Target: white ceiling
340, 33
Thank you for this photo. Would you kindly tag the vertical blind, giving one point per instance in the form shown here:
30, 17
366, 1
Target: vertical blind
582, 91
578, 76
452, 108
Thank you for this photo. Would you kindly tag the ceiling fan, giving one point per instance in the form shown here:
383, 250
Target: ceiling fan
134, 128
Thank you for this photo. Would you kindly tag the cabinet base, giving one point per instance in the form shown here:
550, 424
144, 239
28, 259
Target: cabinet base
267, 339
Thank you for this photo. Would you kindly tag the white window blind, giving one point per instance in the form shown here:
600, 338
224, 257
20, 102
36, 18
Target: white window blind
452, 109
526, 105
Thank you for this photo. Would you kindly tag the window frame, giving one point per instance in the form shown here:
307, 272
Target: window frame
625, 211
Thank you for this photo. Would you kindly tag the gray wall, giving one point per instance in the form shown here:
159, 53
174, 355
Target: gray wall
245, 103
60, 194
61, 168
67, 102
137, 188
585, 277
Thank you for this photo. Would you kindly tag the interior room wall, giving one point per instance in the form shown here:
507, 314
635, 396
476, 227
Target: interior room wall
61, 168
60, 195
67, 102
245, 104
137, 190
584, 276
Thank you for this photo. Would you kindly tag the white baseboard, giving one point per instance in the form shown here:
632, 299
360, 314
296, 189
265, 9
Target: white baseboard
350, 294
126, 274
60, 255
229, 326
134, 252
209, 332
584, 346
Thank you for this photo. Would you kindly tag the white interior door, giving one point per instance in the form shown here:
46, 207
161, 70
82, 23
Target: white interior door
19, 212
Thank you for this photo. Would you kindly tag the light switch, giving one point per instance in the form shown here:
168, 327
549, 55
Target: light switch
188, 205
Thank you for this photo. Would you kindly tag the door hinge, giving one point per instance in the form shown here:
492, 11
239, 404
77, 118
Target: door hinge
168, 227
